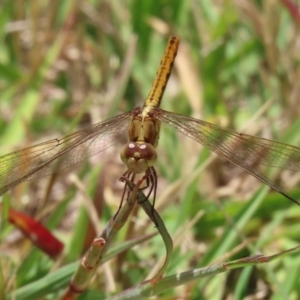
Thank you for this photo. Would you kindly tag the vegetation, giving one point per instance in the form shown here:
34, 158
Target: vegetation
67, 64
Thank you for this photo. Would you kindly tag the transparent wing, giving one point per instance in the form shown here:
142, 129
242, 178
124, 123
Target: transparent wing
58, 154
243, 150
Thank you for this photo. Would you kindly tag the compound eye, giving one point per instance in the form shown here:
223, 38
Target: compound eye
148, 152
128, 152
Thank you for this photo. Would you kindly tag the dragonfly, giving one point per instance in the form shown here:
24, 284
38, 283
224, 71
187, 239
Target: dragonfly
139, 154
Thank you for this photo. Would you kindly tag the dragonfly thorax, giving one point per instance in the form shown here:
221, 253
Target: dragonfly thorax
138, 156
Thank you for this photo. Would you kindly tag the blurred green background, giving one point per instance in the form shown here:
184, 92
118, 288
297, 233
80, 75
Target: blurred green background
66, 64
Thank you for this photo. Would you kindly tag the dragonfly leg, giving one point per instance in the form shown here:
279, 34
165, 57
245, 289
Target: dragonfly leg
127, 176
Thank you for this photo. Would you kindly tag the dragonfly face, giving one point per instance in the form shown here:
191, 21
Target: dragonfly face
138, 156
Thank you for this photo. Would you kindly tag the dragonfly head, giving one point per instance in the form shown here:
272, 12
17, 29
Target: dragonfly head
138, 157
